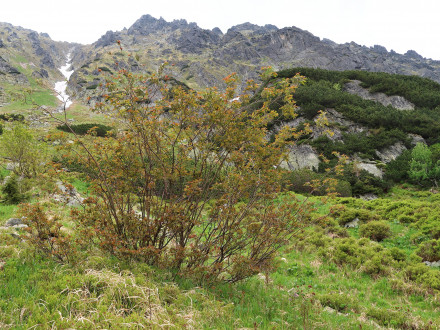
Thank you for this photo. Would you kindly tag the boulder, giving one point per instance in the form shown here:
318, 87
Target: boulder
68, 196
433, 264
301, 156
371, 168
391, 153
352, 224
368, 197
415, 138
12, 222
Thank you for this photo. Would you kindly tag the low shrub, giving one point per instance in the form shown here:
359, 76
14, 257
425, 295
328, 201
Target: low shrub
339, 302
13, 191
397, 254
375, 230
429, 251
300, 181
45, 234
11, 117
378, 265
406, 219
348, 214
83, 129
389, 318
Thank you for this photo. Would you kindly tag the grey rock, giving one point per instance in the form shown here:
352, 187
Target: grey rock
368, 197
108, 39
433, 263
69, 196
6, 68
415, 138
14, 222
391, 153
395, 101
352, 224
217, 31
301, 156
335, 117
11, 166
371, 168
21, 226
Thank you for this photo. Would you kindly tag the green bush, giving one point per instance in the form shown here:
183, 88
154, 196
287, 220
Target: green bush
397, 254
299, 181
82, 129
339, 302
406, 219
378, 265
11, 117
12, 192
348, 214
429, 251
375, 230
397, 170
389, 317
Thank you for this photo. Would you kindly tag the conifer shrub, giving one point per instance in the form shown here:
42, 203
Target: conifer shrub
397, 254
82, 129
348, 214
429, 251
12, 192
375, 230
406, 218
301, 180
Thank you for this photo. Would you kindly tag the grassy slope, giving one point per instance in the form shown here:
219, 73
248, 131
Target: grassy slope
103, 291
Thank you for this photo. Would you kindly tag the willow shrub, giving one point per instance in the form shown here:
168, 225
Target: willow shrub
189, 182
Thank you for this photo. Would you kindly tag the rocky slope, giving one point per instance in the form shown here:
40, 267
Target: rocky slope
203, 57
28, 57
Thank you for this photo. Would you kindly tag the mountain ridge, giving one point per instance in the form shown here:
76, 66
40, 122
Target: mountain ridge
203, 57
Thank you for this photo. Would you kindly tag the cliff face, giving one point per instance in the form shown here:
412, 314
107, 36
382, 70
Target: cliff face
203, 57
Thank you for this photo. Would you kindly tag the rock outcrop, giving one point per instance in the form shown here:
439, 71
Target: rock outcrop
391, 153
398, 102
301, 156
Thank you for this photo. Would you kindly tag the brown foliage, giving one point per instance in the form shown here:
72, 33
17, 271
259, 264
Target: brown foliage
44, 233
189, 183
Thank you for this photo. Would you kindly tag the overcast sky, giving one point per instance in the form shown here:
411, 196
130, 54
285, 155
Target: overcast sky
396, 24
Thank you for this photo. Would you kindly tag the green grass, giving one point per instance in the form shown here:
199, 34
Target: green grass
309, 289
6, 212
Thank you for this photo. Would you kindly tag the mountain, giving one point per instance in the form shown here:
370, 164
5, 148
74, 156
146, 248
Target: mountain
204, 57
29, 63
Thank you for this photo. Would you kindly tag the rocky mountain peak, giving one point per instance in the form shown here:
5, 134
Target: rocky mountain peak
413, 54
248, 28
147, 24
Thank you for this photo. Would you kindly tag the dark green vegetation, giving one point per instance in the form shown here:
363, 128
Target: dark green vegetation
325, 89
82, 129
384, 125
